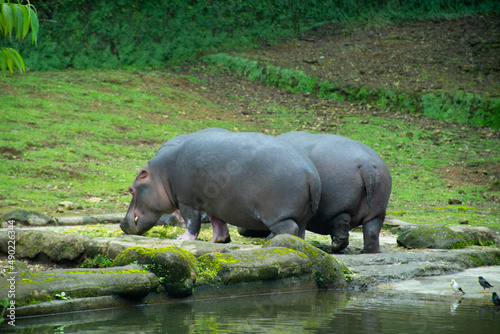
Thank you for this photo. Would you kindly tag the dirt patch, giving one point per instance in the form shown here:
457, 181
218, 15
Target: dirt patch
480, 174
429, 56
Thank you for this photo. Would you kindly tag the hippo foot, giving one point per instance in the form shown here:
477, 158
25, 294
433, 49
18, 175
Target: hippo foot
187, 236
371, 250
220, 231
221, 239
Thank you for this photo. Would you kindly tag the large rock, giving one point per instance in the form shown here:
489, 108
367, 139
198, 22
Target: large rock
36, 243
131, 282
475, 235
329, 272
437, 237
175, 267
240, 266
28, 217
90, 220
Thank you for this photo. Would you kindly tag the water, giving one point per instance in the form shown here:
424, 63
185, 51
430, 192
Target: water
299, 312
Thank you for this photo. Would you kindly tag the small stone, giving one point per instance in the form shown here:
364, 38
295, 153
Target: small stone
464, 222
454, 201
94, 200
66, 205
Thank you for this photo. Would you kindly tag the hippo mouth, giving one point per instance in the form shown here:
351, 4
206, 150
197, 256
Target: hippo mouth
128, 227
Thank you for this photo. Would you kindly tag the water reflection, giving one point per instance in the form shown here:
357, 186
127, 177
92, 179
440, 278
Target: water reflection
305, 312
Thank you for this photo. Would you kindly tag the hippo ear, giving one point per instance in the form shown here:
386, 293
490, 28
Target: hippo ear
143, 174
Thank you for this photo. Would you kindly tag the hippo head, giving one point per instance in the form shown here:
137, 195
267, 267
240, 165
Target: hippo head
150, 200
340, 236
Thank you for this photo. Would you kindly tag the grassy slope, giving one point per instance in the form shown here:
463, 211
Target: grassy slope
73, 135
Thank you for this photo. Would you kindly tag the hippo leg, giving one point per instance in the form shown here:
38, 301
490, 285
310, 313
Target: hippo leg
220, 231
371, 232
192, 217
339, 231
288, 226
302, 232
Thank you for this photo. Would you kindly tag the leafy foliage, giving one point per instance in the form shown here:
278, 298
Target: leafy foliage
110, 34
19, 18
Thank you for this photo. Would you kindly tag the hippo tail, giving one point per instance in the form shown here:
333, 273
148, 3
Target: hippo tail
314, 193
368, 176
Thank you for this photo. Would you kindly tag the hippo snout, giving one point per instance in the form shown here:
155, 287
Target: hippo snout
129, 224
125, 226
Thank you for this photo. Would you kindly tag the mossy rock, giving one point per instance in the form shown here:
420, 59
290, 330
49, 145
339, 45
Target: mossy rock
131, 282
475, 235
436, 237
28, 217
58, 247
174, 266
240, 266
329, 272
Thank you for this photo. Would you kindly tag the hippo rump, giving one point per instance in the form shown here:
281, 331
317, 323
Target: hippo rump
355, 187
246, 179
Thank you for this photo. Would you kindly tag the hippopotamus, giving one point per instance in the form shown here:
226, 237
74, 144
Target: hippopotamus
220, 229
355, 187
247, 179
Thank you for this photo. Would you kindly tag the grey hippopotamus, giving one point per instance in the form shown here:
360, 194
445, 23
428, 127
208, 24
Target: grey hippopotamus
220, 229
355, 187
246, 179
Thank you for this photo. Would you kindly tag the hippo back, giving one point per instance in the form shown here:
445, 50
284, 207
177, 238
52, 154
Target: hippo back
246, 179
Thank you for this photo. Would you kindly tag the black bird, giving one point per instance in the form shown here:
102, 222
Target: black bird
495, 299
484, 283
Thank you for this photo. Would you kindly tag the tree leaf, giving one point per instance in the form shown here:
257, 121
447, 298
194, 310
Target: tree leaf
34, 25
10, 58
18, 19
26, 21
17, 59
3, 62
8, 18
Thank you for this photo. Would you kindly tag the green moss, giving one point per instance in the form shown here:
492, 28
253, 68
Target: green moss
477, 262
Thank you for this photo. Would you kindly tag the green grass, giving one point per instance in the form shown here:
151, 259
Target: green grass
73, 135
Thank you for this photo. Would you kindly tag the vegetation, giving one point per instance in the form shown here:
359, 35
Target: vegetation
79, 134
19, 18
110, 34
84, 134
98, 261
457, 107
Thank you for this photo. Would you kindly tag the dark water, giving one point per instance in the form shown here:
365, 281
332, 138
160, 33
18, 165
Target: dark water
300, 312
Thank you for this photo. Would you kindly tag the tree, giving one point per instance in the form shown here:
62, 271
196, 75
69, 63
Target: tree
19, 18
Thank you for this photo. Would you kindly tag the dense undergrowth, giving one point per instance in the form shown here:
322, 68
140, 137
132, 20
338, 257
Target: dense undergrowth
111, 34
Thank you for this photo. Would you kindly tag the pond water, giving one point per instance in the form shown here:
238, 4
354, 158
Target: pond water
298, 312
